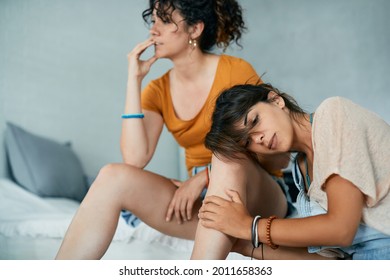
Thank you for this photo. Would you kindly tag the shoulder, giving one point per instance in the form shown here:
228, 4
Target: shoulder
158, 86
161, 81
234, 60
327, 121
332, 106
337, 106
343, 117
336, 101
328, 103
236, 70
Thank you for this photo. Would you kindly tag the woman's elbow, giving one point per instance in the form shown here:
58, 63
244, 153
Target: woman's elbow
134, 157
136, 160
135, 163
344, 237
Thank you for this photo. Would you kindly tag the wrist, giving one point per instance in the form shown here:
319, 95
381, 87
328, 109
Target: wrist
133, 85
246, 232
262, 224
265, 233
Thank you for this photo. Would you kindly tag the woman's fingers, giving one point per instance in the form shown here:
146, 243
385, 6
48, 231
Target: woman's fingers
234, 195
151, 60
169, 214
183, 210
214, 199
210, 207
177, 183
177, 213
209, 220
141, 47
189, 207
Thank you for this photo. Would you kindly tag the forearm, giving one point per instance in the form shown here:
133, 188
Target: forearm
320, 230
134, 140
317, 230
335, 228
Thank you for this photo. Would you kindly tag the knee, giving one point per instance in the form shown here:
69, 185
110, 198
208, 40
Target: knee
112, 170
228, 164
113, 176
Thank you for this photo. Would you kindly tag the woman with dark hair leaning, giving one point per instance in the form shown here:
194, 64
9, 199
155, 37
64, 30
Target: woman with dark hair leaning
342, 170
185, 32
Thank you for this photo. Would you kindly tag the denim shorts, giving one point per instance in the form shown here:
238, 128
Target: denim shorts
374, 249
196, 170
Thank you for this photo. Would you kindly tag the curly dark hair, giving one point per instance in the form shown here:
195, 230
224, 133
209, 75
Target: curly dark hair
223, 22
226, 138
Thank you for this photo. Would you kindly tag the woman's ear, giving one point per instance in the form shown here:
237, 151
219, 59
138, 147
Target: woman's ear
196, 30
276, 99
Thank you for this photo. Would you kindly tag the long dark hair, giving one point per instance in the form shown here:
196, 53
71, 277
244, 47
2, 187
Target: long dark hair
223, 22
226, 138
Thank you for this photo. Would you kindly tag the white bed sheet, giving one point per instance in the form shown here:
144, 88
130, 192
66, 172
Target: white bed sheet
32, 227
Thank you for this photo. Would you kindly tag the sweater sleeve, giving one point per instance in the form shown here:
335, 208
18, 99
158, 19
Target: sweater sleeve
344, 144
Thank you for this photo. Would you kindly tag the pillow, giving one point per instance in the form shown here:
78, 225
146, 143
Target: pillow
43, 166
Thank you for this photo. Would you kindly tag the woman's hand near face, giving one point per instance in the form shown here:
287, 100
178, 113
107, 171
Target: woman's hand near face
230, 217
137, 68
183, 201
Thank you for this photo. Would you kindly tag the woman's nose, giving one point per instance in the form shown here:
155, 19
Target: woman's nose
153, 32
258, 138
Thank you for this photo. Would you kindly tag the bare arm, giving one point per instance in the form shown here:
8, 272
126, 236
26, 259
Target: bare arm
338, 227
139, 136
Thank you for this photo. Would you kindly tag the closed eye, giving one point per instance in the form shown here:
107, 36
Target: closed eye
255, 120
247, 142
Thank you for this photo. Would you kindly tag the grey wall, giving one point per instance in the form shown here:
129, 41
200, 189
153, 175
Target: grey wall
314, 49
63, 71
63, 64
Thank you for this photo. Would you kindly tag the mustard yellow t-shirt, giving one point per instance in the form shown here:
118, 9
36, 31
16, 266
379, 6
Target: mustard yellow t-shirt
191, 134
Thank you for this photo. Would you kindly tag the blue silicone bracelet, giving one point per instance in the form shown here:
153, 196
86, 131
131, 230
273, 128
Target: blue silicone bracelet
133, 116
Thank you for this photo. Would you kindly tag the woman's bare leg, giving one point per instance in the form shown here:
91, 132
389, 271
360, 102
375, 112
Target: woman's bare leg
259, 191
117, 187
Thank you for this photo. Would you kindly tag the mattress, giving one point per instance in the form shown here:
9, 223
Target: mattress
32, 228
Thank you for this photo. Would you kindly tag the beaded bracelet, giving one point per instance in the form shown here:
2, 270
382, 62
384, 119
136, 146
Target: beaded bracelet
133, 116
268, 233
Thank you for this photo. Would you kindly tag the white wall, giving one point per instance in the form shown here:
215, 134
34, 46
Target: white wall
63, 64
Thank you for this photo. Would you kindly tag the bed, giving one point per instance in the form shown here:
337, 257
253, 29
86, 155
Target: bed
40, 197
32, 227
